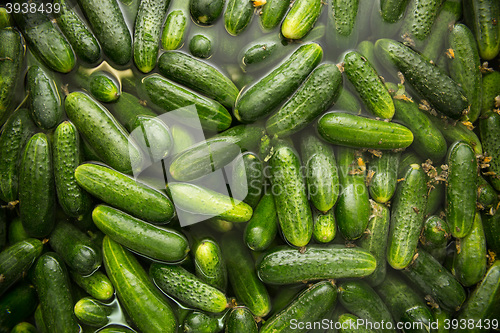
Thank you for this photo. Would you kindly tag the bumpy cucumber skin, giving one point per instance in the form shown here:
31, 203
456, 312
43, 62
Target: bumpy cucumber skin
359, 132
482, 17
37, 194
268, 93
325, 226
461, 189
420, 17
263, 226
145, 305
91, 312
301, 18
209, 264
273, 12
490, 88
385, 179
281, 264
319, 92
103, 87
456, 131
174, 30
206, 12
407, 217
489, 127
96, 285
344, 13
392, 10
241, 319
237, 16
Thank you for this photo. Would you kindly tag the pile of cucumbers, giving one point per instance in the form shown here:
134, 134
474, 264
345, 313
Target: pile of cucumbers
357, 145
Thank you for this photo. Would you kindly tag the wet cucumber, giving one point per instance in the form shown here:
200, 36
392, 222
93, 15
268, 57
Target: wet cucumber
325, 226
419, 19
487, 197
5, 18
96, 285
206, 12
248, 178
237, 16
128, 108
344, 13
104, 87
348, 324
347, 102
456, 131
392, 10
490, 90
385, 179
272, 13
174, 30
263, 226
17, 305
200, 322
91, 312
285, 265
301, 18
489, 127
201, 46
240, 319
482, 17
209, 264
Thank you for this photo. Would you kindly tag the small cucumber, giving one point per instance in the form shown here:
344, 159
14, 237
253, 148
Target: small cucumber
104, 87
482, 17
461, 189
201, 46
17, 305
37, 194
456, 131
272, 13
420, 17
174, 30
301, 18
91, 312
262, 228
435, 236
344, 13
206, 12
24, 327
392, 10
407, 217
237, 16
490, 88
240, 319
491, 225
209, 264
325, 226
261, 53
200, 322
284, 265
385, 179
489, 127
96, 285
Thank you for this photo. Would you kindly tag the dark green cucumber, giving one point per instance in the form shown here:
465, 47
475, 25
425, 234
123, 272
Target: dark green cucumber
104, 134
78, 34
319, 91
209, 264
461, 189
16, 231
490, 88
53, 288
375, 241
169, 96
37, 194
469, 264
420, 18
360, 132
353, 206
142, 301
368, 85
17, 305
325, 226
385, 178
24, 327
344, 13
482, 17
174, 30
456, 131
272, 13
200, 322
491, 225
392, 10
91, 312
248, 178
15, 133
45, 40
435, 236
240, 319
442, 318
489, 127
201, 46
429, 81
289, 191
109, 27
67, 156
96, 285
435, 280
311, 305
284, 265
262, 228
269, 92
125, 193
206, 12
237, 16
249, 290
39, 321
407, 218
301, 18
104, 87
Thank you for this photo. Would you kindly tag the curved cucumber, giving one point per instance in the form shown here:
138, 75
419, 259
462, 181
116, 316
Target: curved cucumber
483, 16
489, 127
96, 285
272, 13
237, 16
209, 264
174, 30
385, 179
240, 319
262, 228
301, 18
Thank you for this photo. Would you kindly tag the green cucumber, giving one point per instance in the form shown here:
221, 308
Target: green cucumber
91, 312
461, 189
96, 285
435, 236
325, 226
109, 27
262, 53
237, 16
142, 301
406, 160
490, 88
442, 318
290, 196
385, 179
272, 13
348, 324
209, 264
199, 322
174, 30
78, 34
489, 127
104, 87
491, 225
5, 18
248, 178
16, 231
39, 321
219, 225
311, 305
15, 133
17, 305
353, 206
482, 17
469, 264
407, 217
284, 265
128, 108
206, 12
67, 156
3, 229
240, 319
429, 81
124, 192
347, 102
301, 18
360, 132
269, 92
247, 287
201, 46
116, 329
456, 131
24, 327
262, 228
392, 10
436, 186
319, 91
45, 40
53, 288
344, 13
104, 134
420, 17
37, 194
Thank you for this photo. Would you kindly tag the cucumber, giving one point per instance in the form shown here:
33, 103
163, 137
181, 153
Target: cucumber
199, 322
353, 206
406, 160
199, 76
344, 13
247, 287
104, 87
407, 217
5, 18
311, 305
436, 186
17, 305
420, 17
240, 319
201, 46
375, 241
169, 96
469, 264
289, 192
270, 91
206, 12
482, 17
442, 318
67, 156
261, 53
16, 231
37, 197
385, 179
490, 88
91, 312
219, 225
487, 197
75, 248
347, 102
465, 66
325, 226
45, 40
108, 25
128, 108
3, 229
209, 264
15, 133
174, 30
392, 10
456, 131
272, 13
53, 288
39, 321
301, 18
435, 236
444, 94
77, 32
248, 178
491, 225
354, 131
461, 189
262, 228
368, 85
186, 287
142, 301
97, 126
435, 280
24, 327
124, 192
116, 329
96, 285
489, 127
237, 16
284, 265
319, 91
348, 324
